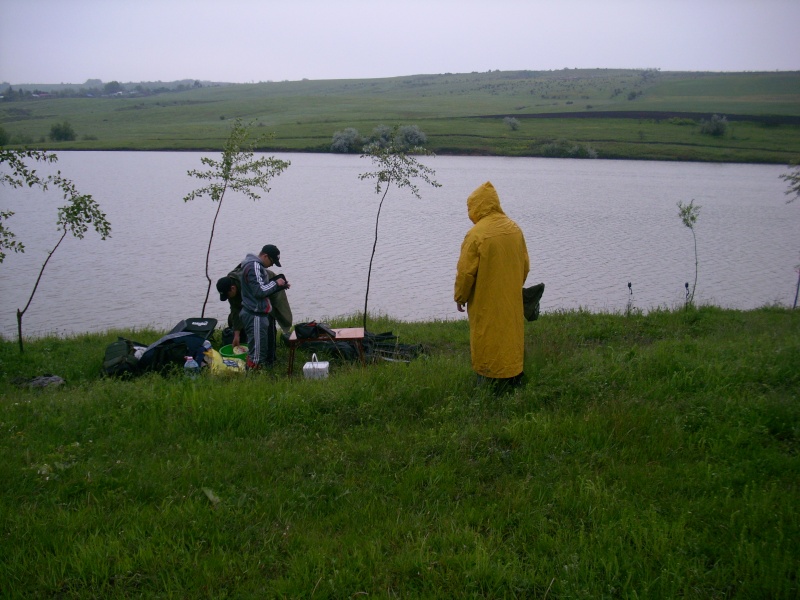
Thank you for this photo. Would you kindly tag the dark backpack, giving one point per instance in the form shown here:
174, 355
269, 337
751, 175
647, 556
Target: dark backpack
530, 301
120, 358
170, 352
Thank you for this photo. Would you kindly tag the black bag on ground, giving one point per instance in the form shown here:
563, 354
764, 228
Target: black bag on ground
313, 329
377, 346
171, 351
120, 358
385, 346
333, 350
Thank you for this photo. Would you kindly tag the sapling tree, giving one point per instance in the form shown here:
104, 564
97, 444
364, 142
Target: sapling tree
793, 179
688, 214
396, 165
796, 289
75, 217
237, 170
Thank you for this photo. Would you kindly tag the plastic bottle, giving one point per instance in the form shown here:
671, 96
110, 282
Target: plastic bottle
190, 367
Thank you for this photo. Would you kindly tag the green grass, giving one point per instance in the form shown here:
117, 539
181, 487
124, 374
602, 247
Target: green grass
460, 113
648, 456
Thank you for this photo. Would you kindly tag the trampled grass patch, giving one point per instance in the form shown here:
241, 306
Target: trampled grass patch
647, 455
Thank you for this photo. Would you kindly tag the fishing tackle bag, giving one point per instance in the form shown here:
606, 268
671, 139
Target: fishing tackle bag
170, 352
121, 358
312, 329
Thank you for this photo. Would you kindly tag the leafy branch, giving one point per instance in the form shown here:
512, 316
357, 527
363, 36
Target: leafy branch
20, 175
79, 213
793, 179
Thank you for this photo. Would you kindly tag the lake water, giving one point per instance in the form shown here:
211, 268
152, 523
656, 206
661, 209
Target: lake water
591, 227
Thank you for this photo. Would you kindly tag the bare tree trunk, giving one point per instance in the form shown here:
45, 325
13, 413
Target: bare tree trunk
372, 256
20, 313
208, 252
694, 287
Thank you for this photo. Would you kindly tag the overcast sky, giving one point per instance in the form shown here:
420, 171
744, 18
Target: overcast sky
70, 41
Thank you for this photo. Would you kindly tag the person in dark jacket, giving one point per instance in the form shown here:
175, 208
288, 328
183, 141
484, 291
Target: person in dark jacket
230, 289
257, 287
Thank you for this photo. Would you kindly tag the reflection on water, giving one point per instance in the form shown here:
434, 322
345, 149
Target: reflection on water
591, 226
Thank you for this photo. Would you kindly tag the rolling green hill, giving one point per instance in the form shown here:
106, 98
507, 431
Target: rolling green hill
638, 114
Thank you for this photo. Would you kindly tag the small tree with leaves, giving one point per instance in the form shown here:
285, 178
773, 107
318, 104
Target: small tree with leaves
409, 136
237, 170
346, 141
75, 217
382, 135
62, 132
716, 126
395, 165
688, 214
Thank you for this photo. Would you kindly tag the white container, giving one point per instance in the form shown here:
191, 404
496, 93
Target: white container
316, 369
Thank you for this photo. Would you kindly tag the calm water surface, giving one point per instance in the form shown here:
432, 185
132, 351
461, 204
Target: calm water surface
591, 227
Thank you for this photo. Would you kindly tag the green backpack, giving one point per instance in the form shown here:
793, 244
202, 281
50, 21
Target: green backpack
120, 359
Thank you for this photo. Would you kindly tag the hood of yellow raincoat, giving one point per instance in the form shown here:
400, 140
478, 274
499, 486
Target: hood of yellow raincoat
482, 202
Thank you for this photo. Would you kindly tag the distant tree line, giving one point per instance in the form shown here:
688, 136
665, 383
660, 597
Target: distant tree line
59, 132
98, 90
351, 141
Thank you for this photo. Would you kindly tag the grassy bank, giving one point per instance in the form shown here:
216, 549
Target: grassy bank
460, 113
649, 456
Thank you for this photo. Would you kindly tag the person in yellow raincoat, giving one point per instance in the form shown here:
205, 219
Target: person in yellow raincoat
491, 271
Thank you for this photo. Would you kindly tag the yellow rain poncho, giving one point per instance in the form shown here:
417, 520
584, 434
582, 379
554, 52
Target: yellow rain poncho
489, 277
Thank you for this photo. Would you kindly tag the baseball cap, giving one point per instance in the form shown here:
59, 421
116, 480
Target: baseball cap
224, 285
273, 253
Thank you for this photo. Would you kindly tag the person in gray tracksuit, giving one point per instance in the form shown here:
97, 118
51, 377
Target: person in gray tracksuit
230, 290
256, 306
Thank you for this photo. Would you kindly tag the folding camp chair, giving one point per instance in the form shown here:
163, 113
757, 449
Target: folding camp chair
201, 326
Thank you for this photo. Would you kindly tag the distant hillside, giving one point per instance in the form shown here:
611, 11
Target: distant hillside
610, 113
